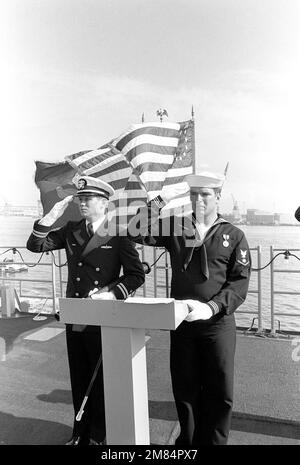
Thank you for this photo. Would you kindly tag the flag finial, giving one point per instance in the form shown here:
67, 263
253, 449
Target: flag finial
226, 169
161, 112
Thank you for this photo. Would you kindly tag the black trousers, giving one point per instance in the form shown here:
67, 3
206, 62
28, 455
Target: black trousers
202, 369
84, 349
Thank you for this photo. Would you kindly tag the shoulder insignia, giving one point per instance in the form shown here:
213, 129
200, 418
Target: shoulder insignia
243, 259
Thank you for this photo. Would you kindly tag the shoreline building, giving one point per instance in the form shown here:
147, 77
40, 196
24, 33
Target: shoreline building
253, 217
20, 210
259, 217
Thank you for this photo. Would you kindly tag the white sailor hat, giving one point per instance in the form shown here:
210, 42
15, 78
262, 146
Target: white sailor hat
88, 185
205, 179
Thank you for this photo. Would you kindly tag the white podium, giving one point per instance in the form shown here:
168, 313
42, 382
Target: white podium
123, 325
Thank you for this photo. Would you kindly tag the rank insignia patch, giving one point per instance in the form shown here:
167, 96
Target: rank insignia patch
243, 260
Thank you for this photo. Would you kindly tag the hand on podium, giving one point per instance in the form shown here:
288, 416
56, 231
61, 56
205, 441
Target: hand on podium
98, 295
198, 310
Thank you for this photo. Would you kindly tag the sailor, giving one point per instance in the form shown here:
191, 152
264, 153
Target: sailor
94, 263
210, 262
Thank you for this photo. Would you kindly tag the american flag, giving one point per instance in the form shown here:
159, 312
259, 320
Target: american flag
139, 162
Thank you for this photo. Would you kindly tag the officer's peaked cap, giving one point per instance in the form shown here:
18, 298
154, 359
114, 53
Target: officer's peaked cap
88, 185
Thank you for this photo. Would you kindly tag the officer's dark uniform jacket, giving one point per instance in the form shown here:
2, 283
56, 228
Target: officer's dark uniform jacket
215, 271
92, 262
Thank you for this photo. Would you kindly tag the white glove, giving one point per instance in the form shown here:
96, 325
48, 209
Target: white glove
103, 296
56, 212
171, 192
198, 310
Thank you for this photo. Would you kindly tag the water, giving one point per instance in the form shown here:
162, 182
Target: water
14, 231
280, 237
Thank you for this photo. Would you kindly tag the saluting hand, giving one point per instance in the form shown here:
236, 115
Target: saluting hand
169, 193
56, 212
198, 310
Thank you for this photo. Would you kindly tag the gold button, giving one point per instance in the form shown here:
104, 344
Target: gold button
76, 294
97, 269
96, 282
80, 264
77, 279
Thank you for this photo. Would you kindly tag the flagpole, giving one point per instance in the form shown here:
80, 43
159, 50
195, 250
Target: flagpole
225, 173
193, 139
226, 169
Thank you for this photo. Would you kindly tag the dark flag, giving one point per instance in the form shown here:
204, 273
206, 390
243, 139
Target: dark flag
54, 180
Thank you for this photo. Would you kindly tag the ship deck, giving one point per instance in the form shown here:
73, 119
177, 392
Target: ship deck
35, 397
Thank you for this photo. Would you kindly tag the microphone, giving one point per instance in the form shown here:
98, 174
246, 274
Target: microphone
147, 267
297, 214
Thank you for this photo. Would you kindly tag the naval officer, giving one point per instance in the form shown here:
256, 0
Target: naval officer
210, 262
94, 262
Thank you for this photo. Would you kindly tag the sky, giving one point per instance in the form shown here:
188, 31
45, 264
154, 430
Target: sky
77, 73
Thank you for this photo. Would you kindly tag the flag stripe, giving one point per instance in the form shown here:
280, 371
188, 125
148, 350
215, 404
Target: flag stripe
176, 177
131, 194
150, 139
148, 166
168, 130
93, 164
118, 166
83, 157
151, 148
139, 162
111, 160
155, 157
152, 177
79, 155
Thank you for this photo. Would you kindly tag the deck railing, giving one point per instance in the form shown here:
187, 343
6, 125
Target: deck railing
17, 280
275, 291
157, 283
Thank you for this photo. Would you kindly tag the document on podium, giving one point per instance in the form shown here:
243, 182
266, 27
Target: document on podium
148, 300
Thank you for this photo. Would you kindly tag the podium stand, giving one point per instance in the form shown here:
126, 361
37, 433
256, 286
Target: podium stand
7, 300
123, 325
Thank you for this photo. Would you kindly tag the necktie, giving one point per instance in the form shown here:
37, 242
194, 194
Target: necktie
90, 229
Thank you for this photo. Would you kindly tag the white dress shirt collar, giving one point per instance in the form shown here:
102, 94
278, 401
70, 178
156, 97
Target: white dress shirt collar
95, 224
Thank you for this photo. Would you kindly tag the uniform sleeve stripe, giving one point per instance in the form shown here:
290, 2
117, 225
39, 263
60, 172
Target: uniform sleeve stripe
214, 307
39, 234
123, 290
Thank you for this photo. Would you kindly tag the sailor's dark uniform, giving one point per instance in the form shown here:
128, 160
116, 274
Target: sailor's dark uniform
216, 272
92, 263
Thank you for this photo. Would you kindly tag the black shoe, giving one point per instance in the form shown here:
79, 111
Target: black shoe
77, 441
92, 442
